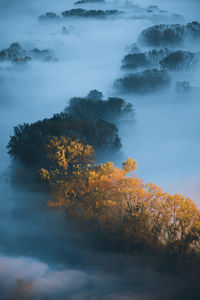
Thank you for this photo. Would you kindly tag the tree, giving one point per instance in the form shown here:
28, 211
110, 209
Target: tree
65, 157
27, 143
89, 119
126, 210
143, 82
93, 107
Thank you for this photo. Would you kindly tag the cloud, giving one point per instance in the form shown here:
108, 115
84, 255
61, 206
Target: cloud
45, 280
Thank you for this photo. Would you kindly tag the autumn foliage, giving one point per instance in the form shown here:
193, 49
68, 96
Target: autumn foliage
126, 209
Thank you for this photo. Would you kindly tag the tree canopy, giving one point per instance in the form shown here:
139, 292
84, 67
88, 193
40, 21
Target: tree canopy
143, 82
166, 35
16, 53
90, 119
127, 210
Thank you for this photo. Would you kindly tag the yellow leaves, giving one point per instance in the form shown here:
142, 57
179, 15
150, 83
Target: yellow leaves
64, 151
135, 214
129, 165
44, 174
104, 193
109, 203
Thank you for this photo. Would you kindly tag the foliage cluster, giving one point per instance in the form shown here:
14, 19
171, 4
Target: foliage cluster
16, 53
80, 12
160, 58
143, 82
169, 35
92, 120
128, 211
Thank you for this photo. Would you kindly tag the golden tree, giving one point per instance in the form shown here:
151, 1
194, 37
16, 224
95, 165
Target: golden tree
134, 212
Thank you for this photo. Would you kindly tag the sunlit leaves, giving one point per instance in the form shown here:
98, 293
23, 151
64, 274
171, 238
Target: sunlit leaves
142, 213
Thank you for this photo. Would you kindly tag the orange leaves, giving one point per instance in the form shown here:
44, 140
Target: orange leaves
141, 212
44, 174
129, 165
63, 151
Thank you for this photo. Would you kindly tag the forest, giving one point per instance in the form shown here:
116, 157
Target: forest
100, 150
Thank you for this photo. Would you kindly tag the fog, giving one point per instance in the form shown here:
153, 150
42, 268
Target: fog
62, 264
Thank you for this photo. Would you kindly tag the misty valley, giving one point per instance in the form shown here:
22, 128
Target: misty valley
100, 143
